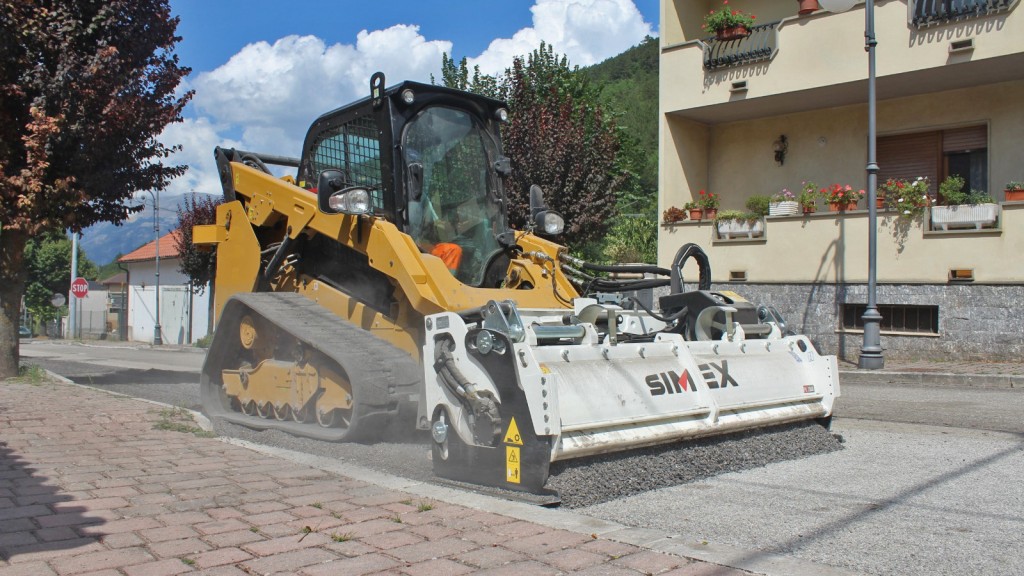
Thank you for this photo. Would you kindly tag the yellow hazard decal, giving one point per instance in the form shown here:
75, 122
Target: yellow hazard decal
512, 464
512, 434
544, 369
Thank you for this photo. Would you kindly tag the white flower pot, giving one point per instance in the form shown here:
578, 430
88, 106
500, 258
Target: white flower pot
785, 208
978, 216
740, 229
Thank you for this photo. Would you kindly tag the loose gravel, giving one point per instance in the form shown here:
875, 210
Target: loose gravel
590, 481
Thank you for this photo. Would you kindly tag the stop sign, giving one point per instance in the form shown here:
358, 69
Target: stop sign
80, 287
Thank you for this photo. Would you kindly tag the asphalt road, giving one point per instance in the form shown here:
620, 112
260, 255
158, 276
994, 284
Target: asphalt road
928, 481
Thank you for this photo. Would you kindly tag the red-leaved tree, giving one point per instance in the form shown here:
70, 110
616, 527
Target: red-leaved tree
85, 89
197, 262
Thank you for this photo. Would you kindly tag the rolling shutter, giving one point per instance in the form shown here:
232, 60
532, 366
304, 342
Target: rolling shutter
965, 139
908, 156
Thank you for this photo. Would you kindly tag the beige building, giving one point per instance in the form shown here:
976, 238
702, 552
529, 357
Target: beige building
950, 78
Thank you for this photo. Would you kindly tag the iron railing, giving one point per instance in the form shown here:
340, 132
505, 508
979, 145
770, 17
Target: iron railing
930, 12
762, 44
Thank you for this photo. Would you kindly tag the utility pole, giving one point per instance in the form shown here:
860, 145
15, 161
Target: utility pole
157, 337
73, 310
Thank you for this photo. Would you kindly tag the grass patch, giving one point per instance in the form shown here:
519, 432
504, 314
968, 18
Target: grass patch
396, 519
425, 507
180, 420
188, 561
31, 374
253, 529
317, 505
341, 537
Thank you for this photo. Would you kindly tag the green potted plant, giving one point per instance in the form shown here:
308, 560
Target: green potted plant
1014, 191
739, 224
728, 23
759, 204
783, 203
963, 208
908, 199
673, 215
841, 197
708, 202
694, 210
808, 198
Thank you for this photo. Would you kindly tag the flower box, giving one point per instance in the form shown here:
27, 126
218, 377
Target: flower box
784, 208
740, 228
965, 216
1014, 195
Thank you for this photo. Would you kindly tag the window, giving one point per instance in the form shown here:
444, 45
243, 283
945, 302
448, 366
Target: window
899, 318
936, 155
353, 148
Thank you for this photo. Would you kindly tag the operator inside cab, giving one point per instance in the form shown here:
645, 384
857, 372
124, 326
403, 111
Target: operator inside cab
454, 203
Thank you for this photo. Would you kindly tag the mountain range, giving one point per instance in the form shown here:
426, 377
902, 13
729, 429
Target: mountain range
104, 242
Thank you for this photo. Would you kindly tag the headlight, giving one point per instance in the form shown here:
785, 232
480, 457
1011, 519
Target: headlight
551, 223
352, 201
501, 114
408, 96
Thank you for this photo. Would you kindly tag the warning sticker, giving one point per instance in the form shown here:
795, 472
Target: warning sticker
512, 434
512, 464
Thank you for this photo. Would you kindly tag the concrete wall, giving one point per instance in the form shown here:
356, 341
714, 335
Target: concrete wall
832, 247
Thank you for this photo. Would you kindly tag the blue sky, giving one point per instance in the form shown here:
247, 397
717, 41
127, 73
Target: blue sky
263, 70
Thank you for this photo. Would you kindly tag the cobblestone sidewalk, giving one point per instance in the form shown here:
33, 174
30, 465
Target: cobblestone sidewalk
92, 483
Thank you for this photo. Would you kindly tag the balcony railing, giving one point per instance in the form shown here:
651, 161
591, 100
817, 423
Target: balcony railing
760, 45
930, 12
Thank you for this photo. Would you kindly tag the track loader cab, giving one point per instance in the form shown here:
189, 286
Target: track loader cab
426, 158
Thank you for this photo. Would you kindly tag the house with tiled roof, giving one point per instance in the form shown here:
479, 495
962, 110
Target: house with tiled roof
183, 314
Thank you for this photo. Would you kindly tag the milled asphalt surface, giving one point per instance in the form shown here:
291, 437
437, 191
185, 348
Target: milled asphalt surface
899, 499
925, 499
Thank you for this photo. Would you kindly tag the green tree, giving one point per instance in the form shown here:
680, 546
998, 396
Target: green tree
86, 88
633, 240
558, 137
48, 266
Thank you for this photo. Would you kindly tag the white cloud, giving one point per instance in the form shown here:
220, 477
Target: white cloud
267, 94
587, 31
197, 138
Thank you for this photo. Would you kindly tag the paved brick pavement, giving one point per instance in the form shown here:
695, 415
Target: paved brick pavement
98, 484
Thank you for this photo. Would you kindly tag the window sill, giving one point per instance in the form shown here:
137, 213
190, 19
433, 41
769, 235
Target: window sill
890, 333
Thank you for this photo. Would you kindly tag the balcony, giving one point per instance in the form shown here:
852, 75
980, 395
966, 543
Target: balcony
931, 12
797, 63
762, 44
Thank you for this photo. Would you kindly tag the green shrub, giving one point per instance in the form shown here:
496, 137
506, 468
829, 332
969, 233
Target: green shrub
758, 204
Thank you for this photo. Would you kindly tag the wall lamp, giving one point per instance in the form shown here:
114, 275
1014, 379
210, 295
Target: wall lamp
780, 146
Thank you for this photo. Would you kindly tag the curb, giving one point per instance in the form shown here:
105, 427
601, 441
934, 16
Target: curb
937, 379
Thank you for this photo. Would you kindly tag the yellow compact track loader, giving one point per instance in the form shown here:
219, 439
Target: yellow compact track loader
381, 288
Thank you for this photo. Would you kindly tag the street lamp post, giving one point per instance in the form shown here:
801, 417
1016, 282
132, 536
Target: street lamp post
871, 349
157, 338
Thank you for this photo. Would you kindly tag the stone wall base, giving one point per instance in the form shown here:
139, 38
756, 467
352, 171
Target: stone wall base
976, 321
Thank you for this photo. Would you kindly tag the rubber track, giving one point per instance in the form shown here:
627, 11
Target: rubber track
382, 377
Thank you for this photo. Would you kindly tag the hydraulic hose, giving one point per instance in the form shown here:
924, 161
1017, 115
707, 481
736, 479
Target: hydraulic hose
634, 268
685, 252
